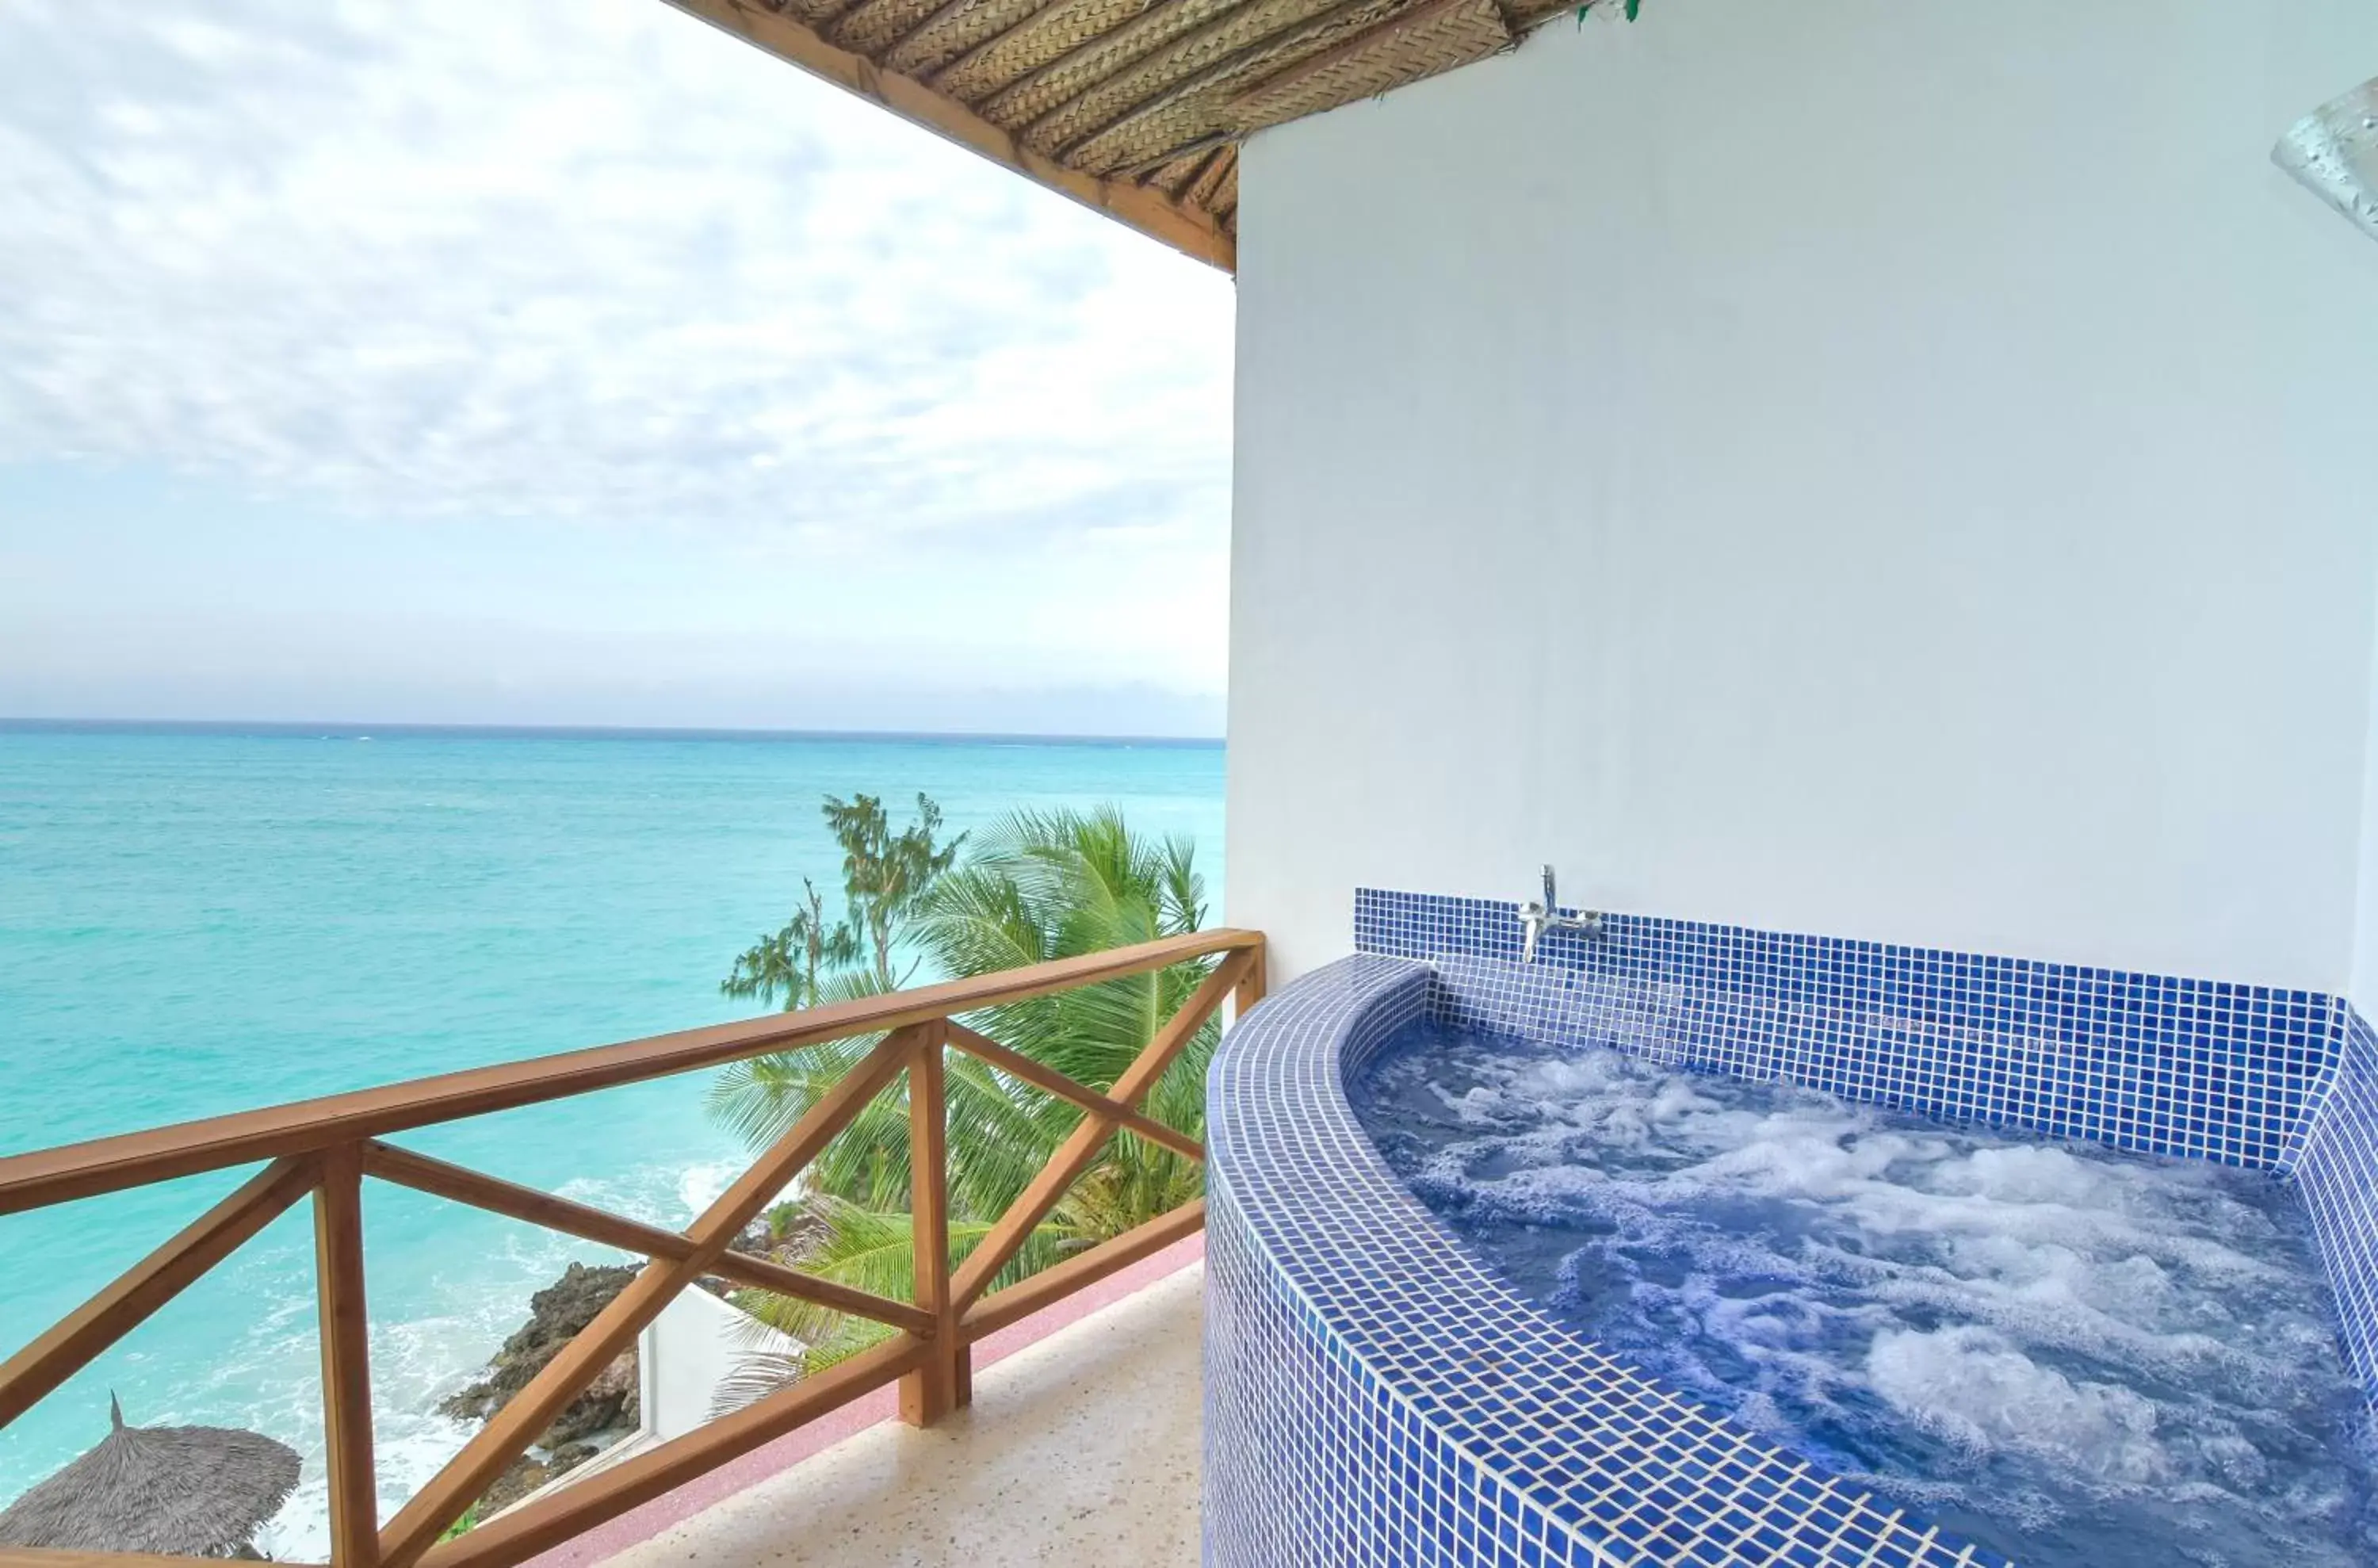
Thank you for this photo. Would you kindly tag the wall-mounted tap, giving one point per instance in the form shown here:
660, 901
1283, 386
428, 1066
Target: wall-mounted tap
1538, 918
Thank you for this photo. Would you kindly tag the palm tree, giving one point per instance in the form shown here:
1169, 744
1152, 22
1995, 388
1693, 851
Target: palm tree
1040, 886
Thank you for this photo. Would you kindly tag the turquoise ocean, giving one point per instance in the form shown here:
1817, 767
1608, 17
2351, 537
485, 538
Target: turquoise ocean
199, 920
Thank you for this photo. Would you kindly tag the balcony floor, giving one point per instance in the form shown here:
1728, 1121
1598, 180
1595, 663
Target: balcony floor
1081, 1448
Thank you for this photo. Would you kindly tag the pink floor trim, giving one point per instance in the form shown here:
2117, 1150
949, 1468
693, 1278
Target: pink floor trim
642, 1524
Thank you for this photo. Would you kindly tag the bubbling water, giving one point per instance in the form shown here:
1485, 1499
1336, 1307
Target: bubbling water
2072, 1354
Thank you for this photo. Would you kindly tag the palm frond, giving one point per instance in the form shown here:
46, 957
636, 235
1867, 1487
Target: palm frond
870, 1251
759, 1100
756, 1376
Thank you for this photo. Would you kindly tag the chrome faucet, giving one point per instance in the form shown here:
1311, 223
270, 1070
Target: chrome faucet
1539, 918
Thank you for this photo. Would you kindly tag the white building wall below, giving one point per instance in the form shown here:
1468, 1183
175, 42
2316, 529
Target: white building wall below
694, 1345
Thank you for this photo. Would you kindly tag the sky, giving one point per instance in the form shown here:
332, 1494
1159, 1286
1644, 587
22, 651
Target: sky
481, 362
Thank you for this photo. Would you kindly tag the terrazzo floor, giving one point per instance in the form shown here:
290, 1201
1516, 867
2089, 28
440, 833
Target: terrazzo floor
1082, 1448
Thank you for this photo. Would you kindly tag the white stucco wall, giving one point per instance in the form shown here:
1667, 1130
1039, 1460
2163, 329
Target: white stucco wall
695, 1344
1889, 468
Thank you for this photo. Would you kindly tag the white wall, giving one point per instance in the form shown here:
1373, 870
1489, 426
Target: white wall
688, 1350
1889, 468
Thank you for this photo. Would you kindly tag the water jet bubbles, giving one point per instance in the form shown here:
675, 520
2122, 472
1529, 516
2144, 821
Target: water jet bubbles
2074, 1355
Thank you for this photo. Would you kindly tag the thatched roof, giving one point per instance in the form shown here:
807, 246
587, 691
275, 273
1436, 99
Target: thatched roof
195, 1491
1134, 106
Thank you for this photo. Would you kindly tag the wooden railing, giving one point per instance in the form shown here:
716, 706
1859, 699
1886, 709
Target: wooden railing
326, 1147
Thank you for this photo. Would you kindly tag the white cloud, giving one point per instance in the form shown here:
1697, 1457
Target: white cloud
592, 262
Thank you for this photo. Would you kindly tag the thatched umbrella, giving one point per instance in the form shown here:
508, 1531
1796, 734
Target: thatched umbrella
192, 1491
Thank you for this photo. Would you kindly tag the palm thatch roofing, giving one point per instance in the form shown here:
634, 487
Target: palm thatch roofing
1136, 107
191, 1492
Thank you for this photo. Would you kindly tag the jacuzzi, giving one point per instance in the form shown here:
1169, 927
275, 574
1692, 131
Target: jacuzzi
1375, 1394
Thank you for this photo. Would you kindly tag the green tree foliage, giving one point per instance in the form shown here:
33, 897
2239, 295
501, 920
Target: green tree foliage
1039, 885
884, 875
789, 964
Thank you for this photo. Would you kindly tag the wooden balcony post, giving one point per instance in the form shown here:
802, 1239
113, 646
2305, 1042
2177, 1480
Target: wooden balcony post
346, 1362
1251, 989
945, 1381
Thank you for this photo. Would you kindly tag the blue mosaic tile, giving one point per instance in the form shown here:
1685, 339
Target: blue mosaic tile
1376, 1395
2148, 1062
2339, 1180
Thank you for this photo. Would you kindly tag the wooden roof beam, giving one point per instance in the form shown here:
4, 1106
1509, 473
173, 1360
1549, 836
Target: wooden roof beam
1191, 232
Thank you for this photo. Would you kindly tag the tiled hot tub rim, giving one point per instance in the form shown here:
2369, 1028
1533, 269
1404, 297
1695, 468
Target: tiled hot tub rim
1351, 1418
1375, 1393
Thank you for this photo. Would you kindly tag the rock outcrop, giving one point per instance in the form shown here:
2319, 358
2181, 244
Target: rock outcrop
607, 1411
610, 1409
